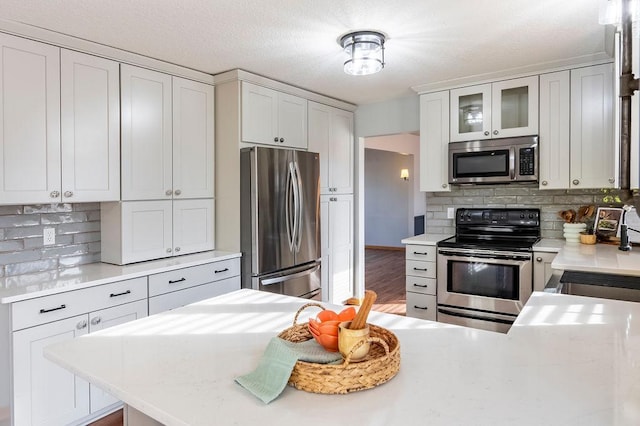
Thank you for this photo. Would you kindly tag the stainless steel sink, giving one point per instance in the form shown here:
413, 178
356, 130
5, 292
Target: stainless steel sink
604, 286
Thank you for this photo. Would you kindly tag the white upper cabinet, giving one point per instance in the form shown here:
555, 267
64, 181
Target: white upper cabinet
554, 130
135, 231
146, 134
471, 113
270, 117
501, 109
90, 99
193, 139
434, 142
331, 135
593, 147
29, 121
167, 136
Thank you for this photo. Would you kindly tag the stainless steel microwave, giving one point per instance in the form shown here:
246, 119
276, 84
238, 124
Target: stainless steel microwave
494, 160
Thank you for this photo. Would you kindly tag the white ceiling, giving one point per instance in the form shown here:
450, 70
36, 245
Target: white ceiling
295, 41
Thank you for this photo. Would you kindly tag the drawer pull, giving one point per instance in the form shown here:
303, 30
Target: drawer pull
424, 308
177, 281
420, 285
421, 253
420, 269
220, 270
44, 311
120, 294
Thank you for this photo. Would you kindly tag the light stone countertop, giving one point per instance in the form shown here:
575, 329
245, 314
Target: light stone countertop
29, 286
426, 239
601, 258
567, 360
549, 245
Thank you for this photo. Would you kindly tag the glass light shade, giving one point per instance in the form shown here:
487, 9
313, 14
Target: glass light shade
365, 52
404, 174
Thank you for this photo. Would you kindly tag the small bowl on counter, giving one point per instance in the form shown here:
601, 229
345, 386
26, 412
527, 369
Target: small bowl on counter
586, 238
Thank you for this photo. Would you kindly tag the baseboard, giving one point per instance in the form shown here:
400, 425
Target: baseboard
384, 248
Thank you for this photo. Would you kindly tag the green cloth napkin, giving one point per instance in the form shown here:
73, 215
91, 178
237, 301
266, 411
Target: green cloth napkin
269, 379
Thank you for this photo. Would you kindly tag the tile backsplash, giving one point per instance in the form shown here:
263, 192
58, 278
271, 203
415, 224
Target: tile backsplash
77, 237
550, 202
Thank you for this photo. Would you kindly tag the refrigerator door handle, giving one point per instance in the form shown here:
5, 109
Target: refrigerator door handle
287, 209
296, 196
298, 206
283, 278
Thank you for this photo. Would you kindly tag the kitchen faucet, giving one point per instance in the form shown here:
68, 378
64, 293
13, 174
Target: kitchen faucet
625, 245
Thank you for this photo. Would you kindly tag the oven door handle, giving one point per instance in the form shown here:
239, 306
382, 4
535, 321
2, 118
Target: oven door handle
485, 256
476, 316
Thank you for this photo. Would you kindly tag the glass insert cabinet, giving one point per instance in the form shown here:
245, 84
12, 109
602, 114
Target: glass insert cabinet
497, 110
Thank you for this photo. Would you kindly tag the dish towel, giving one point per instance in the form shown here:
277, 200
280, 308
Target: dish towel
269, 379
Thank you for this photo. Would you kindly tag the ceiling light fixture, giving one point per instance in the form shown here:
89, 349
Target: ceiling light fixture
365, 50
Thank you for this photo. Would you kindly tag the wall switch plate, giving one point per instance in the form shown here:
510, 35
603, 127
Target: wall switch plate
451, 214
49, 236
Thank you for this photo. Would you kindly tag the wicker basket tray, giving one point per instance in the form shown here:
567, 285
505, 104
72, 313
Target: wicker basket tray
381, 364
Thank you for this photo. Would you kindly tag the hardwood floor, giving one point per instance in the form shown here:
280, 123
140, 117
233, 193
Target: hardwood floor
113, 419
384, 273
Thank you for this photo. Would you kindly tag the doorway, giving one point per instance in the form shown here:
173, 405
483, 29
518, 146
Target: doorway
392, 200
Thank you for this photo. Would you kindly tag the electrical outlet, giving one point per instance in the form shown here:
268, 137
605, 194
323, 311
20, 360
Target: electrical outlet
49, 236
451, 214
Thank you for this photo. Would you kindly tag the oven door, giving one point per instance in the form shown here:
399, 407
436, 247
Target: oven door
484, 280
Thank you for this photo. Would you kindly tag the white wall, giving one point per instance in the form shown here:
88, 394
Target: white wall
404, 144
388, 199
395, 116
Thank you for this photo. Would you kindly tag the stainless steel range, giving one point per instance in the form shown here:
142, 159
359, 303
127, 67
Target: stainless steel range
485, 272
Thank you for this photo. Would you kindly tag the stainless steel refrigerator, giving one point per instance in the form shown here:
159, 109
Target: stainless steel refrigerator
280, 221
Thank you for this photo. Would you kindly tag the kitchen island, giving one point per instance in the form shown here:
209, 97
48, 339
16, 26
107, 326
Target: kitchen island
567, 360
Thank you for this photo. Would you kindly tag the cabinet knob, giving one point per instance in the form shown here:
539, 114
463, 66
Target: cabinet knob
168, 192
96, 321
333, 199
544, 183
54, 194
486, 133
168, 250
444, 185
538, 259
177, 249
495, 132
177, 192
281, 140
68, 194
275, 139
611, 180
82, 324
575, 182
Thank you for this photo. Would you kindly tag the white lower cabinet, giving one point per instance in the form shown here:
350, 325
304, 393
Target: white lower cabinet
336, 214
135, 231
542, 270
43, 392
421, 281
170, 290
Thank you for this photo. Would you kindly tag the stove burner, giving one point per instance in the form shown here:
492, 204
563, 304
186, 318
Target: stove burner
495, 229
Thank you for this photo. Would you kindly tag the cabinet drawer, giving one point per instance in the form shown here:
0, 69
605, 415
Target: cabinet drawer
420, 252
176, 299
421, 306
179, 279
421, 285
421, 269
45, 309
